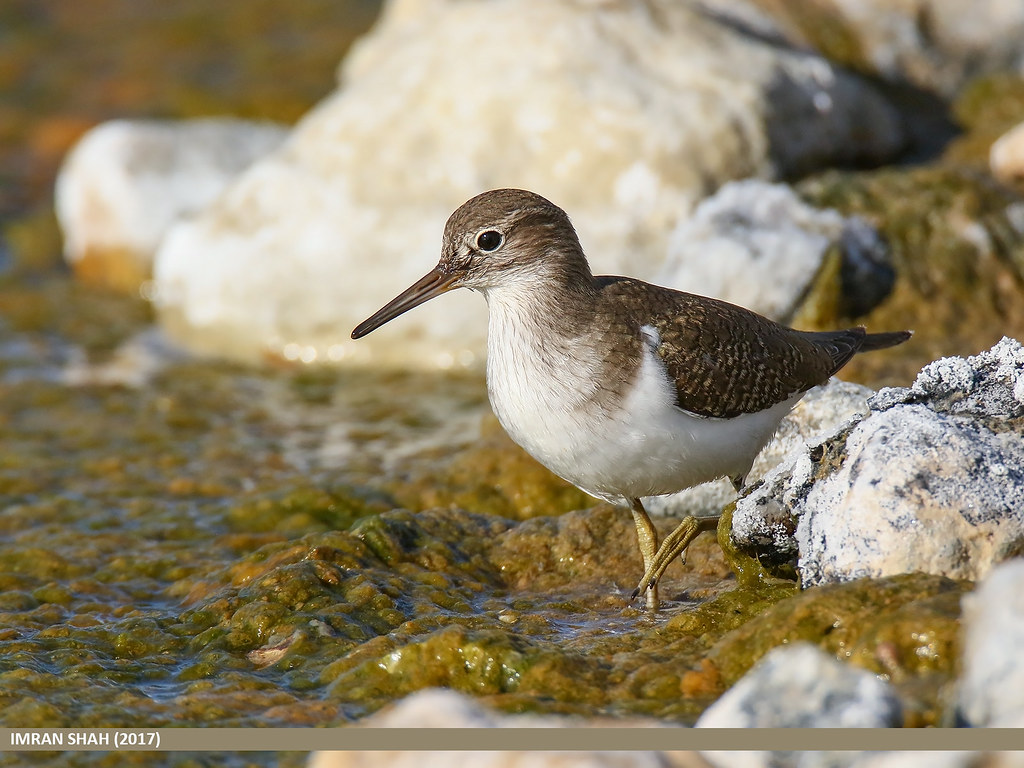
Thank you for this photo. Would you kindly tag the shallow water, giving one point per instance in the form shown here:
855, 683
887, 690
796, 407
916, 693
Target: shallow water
210, 544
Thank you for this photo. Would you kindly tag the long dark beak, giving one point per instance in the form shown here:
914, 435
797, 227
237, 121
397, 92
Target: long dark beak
432, 284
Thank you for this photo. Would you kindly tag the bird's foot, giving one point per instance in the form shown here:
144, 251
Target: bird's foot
674, 545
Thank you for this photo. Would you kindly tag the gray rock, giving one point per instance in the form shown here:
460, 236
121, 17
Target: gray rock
991, 687
932, 480
800, 686
759, 245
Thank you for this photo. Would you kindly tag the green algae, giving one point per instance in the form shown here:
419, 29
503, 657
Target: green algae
753, 570
818, 25
903, 627
494, 476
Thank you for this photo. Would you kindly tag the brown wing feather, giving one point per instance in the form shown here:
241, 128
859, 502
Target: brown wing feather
724, 359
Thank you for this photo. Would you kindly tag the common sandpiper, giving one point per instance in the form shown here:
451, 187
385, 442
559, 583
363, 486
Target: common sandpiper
623, 388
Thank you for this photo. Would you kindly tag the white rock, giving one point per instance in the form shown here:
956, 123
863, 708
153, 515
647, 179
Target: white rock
624, 114
991, 686
1006, 156
755, 244
918, 491
990, 384
800, 686
931, 480
437, 708
126, 181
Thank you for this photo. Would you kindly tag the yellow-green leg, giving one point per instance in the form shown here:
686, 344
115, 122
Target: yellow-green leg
647, 536
673, 546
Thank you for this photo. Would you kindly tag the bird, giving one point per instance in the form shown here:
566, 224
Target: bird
623, 388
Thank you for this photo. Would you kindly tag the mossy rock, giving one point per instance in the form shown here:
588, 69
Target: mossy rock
958, 257
905, 628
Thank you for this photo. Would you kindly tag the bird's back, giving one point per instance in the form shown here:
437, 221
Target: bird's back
726, 360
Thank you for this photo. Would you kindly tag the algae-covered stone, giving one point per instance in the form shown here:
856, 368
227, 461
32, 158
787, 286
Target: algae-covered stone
987, 108
495, 476
904, 627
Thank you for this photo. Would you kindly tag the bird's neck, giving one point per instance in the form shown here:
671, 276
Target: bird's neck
540, 352
556, 303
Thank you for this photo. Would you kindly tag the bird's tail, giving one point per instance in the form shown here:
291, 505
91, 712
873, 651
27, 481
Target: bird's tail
873, 341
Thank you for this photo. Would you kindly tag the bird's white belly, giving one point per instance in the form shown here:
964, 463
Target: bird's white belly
642, 445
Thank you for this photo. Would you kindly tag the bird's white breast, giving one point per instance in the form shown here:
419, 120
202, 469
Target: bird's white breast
551, 397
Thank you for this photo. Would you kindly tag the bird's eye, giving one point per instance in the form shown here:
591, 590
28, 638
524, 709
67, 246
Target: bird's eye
489, 240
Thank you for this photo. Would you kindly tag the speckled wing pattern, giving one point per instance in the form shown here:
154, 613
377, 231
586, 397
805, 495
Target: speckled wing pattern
724, 359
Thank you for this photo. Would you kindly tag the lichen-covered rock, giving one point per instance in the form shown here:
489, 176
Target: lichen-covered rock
623, 114
991, 687
799, 686
930, 480
127, 181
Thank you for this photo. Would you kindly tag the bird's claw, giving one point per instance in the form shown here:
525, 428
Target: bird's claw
650, 583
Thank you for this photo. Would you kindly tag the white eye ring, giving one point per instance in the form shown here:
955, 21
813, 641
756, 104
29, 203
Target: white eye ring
489, 240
